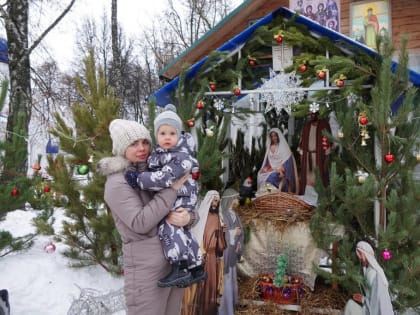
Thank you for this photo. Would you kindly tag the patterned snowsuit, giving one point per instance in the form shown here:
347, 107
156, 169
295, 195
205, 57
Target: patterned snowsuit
165, 167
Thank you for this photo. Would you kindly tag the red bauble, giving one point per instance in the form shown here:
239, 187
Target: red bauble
389, 158
321, 75
200, 104
251, 62
339, 83
47, 189
302, 68
195, 173
15, 192
213, 86
363, 120
279, 39
237, 92
191, 123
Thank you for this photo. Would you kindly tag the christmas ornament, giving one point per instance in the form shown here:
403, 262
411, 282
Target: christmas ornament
83, 169
237, 91
281, 99
49, 248
389, 158
90, 159
251, 63
278, 38
195, 173
52, 147
191, 122
322, 74
361, 176
386, 254
47, 189
36, 167
209, 132
15, 192
200, 104
287, 292
314, 107
212, 86
340, 134
324, 143
340, 81
363, 120
302, 68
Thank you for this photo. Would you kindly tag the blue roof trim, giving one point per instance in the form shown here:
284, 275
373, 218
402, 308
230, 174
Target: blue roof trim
162, 95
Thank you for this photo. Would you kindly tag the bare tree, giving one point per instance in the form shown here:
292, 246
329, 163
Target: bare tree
182, 24
15, 17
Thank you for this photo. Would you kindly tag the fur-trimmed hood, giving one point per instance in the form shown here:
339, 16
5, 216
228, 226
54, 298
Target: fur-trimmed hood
111, 165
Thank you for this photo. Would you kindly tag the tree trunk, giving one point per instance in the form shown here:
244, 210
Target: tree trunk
16, 23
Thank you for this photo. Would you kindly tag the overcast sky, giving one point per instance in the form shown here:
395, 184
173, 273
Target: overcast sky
133, 15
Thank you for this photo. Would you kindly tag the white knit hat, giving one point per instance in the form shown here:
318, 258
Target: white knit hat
169, 118
125, 132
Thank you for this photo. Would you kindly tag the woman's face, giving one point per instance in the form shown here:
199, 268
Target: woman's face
274, 137
138, 151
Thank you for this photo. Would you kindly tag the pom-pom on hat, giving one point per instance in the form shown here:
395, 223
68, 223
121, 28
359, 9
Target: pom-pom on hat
169, 118
125, 132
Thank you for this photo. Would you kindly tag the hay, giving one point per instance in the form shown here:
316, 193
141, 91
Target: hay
323, 300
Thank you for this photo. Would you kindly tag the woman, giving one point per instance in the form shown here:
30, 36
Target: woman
279, 164
202, 298
233, 252
376, 299
136, 214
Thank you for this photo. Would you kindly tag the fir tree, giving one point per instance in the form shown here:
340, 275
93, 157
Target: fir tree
380, 139
89, 230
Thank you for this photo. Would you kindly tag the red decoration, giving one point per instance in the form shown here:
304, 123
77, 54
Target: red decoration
279, 39
36, 167
389, 158
200, 104
191, 122
363, 120
322, 74
195, 173
288, 293
47, 189
339, 83
386, 254
49, 247
212, 86
324, 143
251, 62
15, 192
237, 91
302, 68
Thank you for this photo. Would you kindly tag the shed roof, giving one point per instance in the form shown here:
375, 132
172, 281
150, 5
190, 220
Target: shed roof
162, 95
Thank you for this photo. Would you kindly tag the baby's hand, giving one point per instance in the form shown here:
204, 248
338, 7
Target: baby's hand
131, 178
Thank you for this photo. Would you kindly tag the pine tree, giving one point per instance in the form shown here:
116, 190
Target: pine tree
89, 229
374, 195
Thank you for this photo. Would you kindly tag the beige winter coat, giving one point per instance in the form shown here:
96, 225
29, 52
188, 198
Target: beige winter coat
137, 214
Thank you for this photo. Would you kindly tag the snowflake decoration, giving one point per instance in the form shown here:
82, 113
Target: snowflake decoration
314, 107
282, 92
218, 104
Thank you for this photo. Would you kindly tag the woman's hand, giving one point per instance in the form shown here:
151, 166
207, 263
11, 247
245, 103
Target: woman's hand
180, 217
179, 182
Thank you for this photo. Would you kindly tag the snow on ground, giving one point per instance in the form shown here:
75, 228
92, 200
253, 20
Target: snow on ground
41, 283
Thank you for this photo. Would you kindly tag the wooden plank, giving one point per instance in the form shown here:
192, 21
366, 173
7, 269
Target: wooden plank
291, 307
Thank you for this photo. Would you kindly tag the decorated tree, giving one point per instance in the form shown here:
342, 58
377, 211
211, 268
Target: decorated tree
89, 228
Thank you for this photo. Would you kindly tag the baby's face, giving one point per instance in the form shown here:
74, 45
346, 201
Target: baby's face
167, 137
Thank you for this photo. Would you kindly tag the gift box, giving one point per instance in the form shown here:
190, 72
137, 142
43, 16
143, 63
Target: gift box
289, 292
